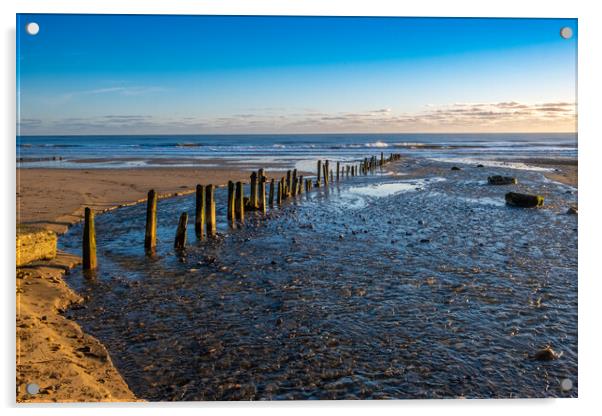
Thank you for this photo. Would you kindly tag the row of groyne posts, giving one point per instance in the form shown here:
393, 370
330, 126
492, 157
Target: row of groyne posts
288, 186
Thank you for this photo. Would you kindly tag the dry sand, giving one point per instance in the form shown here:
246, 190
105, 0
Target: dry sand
56, 198
52, 351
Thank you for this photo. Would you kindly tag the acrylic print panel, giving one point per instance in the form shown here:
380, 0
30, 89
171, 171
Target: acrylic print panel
292, 208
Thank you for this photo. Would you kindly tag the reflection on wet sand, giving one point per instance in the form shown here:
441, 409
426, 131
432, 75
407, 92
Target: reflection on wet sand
381, 287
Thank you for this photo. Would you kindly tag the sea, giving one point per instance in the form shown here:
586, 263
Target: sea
298, 150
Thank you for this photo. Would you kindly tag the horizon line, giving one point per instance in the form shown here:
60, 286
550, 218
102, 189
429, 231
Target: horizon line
294, 134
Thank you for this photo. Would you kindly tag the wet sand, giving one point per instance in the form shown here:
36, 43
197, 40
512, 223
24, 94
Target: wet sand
68, 364
53, 352
565, 170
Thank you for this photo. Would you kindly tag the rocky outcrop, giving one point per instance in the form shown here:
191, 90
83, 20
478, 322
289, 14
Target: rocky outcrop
524, 200
501, 180
34, 244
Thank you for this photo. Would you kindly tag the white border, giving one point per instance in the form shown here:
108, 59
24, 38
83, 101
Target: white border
590, 112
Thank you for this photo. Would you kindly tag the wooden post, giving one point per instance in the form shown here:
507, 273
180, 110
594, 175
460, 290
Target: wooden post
199, 220
325, 173
239, 202
262, 206
300, 182
280, 185
253, 201
319, 172
231, 199
331, 176
338, 169
210, 210
150, 237
272, 193
294, 186
89, 246
289, 183
180, 241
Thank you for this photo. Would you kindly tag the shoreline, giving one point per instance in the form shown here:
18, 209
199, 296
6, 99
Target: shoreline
39, 205
86, 372
76, 367
54, 352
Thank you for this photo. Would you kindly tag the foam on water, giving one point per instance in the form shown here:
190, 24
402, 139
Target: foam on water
493, 164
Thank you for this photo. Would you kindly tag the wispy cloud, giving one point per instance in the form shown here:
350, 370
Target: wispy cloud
456, 117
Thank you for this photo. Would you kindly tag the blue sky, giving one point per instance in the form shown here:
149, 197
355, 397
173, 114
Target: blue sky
109, 74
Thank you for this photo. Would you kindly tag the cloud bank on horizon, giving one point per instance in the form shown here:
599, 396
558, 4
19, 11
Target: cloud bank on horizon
220, 74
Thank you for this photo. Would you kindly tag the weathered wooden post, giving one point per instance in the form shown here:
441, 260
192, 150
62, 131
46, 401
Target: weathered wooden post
231, 199
89, 246
338, 167
271, 193
180, 241
280, 191
382, 158
289, 183
331, 176
262, 206
300, 182
319, 173
210, 210
294, 187
239, 202
199, 221
325, 173
253, 200
150, 236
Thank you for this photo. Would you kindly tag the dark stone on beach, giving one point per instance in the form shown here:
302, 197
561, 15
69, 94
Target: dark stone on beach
341, 236
420, 222
425, 240
572, 210
480, 166
408, 233
455, 168
546, 354
501, 180
209, 259
524, 200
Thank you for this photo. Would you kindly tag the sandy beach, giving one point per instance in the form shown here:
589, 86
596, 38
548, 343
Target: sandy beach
68, 364
55, 198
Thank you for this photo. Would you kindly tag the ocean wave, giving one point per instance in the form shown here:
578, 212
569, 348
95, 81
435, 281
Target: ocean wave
377, 144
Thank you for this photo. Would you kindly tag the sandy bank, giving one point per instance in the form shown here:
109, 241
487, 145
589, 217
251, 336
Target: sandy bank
55, 198
52, 351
